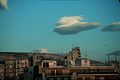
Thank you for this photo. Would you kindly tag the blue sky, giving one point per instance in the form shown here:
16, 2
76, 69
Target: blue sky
29, 24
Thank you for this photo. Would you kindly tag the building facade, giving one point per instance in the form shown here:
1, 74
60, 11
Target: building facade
73, 56
21, 66
2, 69
79, 73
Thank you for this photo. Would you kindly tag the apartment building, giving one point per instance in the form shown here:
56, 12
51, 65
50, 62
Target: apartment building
87, 70
14, 65
73, 56
21, 65
10, 67
2, 68
78, 73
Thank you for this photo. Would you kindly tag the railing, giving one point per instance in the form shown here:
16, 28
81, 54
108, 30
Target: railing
49, 74
97, 72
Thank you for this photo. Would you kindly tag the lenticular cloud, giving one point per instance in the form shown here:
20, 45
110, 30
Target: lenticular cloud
73, 25
3, 3
114, 27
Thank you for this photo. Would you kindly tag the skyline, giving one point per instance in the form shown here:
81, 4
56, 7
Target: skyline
60, 25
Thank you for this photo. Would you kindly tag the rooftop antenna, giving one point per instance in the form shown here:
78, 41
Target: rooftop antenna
73, 46
115, 57
85, 56
105, 60
108, 58
77, 45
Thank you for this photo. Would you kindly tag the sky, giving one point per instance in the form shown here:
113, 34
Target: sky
59, 25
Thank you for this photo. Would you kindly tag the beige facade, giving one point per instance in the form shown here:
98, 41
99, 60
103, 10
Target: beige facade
14, 65
37, 59
73, 56
85, 62
2, 67
10, 67
21, 65
49, 63
81, 73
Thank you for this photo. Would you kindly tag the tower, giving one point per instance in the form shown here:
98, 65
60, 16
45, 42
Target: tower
73, 56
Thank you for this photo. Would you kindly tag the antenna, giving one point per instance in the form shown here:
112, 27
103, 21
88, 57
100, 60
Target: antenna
77, 45
115, 58
73, 45
105, 60
108, 57
85, 56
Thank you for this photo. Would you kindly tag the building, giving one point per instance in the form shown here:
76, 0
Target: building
78, 73
10, 67
21, 66
14, 65
86, 70
114, 59
44, 66
49, 63
73, 56
37, 59
2, 68
7, 66
95, 73
85, 62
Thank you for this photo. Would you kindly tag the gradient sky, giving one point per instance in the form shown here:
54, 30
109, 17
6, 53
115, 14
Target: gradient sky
28, 25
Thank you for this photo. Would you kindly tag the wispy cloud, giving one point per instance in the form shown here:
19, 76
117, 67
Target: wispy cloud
73, 25
4, 3
114, 27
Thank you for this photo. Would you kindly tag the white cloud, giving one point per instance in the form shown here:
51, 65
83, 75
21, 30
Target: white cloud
73, 25
114, 27
4, 3
41, 50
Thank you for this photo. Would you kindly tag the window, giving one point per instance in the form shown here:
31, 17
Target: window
58, 72
45, 64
